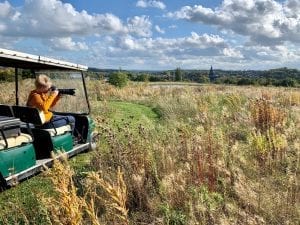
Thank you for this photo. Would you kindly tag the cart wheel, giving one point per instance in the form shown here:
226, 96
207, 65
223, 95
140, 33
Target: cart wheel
3, 184
93, 141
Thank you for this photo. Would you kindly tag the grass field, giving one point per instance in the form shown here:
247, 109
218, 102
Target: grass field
171, 155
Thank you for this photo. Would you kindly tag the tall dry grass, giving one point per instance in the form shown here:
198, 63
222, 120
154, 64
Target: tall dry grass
218, 155
268, 139
101, 199
207, 161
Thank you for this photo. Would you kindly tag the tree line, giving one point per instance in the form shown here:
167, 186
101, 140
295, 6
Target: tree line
275, 77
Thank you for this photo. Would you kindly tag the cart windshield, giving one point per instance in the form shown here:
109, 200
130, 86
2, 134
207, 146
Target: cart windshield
73, 99
17, 77
70, 85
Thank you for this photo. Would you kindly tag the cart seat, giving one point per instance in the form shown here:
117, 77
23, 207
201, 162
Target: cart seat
59, 130
15, 141
31, 115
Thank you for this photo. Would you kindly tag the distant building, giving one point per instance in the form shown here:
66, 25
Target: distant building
212, 76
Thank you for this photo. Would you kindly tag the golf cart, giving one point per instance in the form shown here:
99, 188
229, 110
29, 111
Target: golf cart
26, 148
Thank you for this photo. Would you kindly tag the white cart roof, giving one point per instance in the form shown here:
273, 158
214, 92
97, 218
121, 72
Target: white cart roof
21, 60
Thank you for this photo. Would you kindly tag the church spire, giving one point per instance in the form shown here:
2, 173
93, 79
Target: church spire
212, 76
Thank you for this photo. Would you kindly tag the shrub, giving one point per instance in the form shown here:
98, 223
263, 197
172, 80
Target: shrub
288, 82
7, 75
118, 79
142, 77
245, 81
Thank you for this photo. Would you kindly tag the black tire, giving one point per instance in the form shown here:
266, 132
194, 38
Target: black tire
3, 184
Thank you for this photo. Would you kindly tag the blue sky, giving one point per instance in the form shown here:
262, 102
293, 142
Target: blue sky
156, 34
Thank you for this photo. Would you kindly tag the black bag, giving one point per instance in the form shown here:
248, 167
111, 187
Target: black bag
9, 127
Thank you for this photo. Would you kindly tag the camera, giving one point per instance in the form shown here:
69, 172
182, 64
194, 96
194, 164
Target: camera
64, 91
67, 91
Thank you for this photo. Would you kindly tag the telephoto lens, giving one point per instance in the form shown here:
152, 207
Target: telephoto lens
67, 91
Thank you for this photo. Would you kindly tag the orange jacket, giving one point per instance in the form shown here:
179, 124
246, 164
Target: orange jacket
42, 101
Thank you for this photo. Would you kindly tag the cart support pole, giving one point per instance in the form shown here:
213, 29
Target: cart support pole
17, 86
85, 92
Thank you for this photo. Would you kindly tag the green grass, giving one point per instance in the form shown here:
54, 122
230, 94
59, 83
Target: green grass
119, 113
126, 111
21, 203
80, 162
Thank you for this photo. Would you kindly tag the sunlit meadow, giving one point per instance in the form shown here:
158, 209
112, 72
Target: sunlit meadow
175, 155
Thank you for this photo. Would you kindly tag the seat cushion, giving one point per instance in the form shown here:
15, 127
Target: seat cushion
16, 141
59, 130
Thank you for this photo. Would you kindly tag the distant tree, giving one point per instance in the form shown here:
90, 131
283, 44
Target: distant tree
230, 80
142, 77
203, 79
130, 76
178, 74
288, 82
118, 79
155, 78
245, 81
167, 75
27, 74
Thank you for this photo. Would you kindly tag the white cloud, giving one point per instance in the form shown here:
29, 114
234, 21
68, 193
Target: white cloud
142, 4
232, 53
205, 40
52, 18
140, 25
192, 44
5, 9
266, 22
255, 34
67, 43
159, 30
173, 26
275, 54
105, 23
159, 53
152, 3
292, 8
196, 51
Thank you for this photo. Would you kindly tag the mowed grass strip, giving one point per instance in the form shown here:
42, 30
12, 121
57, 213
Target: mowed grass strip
127, 111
